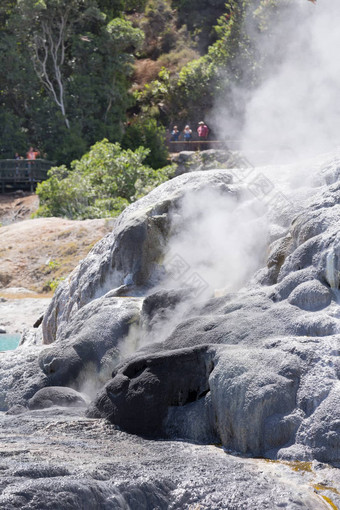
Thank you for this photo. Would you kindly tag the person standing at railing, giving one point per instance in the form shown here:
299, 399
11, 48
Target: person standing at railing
174, 134
17, 156
202, 131
32, 154
187, 134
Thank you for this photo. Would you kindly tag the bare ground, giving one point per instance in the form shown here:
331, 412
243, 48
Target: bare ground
36, 254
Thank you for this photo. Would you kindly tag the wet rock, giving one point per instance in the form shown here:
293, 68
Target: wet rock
56, 396
84, 355
321, 431
20, 376
57, 457
255, 369
160, 310
273, 351
35, 472
257, 384
204, 395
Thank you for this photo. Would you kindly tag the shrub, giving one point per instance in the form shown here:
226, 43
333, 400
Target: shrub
145, 132
101, 184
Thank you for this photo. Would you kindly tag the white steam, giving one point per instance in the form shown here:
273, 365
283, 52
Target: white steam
220, 241
297, 109
295, 112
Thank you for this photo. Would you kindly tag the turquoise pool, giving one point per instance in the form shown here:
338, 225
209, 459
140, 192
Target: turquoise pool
9, 342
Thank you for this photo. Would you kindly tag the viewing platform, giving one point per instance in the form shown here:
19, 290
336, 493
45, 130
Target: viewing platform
196, 145
23, 173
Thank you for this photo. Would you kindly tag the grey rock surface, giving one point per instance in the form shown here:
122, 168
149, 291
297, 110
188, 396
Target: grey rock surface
273, 356
56, 459
192, 161
133, 253
311, 296
83, 358
56, 396
254, 368
88, 349
173, 379
20, 376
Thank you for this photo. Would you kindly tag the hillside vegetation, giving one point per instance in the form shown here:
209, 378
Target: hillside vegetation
76, 72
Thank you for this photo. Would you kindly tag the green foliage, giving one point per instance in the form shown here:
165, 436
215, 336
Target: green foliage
200, 16
52, 285
112, 8
12, 135
177, 58
64, 102
145, 132
193, 92
229, 62
195, 86
65, 73
101, 184
156, 91
67, 197
52, 265
122, 35
159, 26
269, 12
135, 5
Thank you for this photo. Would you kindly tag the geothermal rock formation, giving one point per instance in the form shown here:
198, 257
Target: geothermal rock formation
178, 352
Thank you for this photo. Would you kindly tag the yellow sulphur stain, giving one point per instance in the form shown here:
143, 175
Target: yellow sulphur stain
330, 502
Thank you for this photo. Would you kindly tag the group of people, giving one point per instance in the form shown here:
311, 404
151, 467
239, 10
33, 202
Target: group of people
202, 132
31, 154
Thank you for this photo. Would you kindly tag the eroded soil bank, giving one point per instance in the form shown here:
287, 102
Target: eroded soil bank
35, 255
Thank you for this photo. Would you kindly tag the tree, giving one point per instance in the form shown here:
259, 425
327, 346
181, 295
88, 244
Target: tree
18, 83
101, 184
65, 74
231, 62
49, 23
145, 132
6, 9
12, 136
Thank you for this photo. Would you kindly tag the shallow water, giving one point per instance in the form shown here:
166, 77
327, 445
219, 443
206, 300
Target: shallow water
9, 342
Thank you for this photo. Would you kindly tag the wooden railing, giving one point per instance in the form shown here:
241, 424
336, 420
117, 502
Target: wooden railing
196, 145
23, 173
